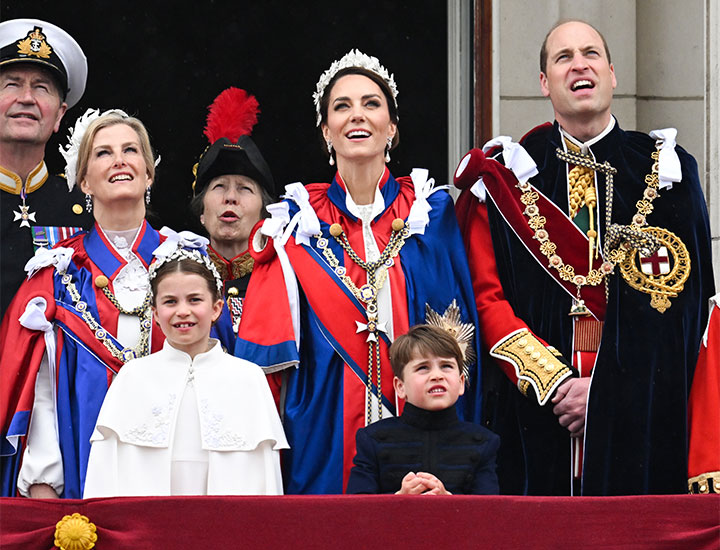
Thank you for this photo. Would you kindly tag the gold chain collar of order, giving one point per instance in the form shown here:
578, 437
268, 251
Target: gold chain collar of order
377, 273
143, 311
618, 239
661, 286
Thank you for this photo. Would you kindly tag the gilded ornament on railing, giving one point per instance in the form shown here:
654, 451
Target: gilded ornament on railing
75, 532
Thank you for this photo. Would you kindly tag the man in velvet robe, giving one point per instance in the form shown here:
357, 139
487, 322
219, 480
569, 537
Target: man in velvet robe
591, 266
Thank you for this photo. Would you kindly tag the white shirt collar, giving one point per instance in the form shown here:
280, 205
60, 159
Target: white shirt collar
586, 145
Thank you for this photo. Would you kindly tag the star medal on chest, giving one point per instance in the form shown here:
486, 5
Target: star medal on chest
24, 216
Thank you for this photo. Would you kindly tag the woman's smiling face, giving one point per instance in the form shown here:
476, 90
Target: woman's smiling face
358, 119
116, 168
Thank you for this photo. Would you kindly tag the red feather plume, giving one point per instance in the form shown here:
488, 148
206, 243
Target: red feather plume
233, 114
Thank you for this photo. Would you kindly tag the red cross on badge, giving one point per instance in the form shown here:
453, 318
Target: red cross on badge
657, 264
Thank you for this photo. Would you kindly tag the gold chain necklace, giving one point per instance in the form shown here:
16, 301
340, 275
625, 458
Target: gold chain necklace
138, 311
367, 293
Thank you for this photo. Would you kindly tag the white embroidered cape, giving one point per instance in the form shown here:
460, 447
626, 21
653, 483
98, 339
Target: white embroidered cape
132, 445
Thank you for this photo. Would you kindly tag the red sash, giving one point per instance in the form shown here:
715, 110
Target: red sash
572, 244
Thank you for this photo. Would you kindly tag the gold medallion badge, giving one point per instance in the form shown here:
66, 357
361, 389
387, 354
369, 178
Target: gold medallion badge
75, 533
661, 274
35, 44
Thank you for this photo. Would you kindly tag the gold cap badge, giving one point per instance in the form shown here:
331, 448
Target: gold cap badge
35, 44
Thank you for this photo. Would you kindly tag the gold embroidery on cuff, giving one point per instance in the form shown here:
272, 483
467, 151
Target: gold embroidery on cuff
536, 365
704, 484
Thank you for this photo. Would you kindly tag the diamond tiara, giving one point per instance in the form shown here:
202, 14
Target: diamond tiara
354, 58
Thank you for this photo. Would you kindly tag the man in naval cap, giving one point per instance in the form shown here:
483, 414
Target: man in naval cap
42, 74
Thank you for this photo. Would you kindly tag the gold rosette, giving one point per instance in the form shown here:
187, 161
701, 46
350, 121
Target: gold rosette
75, 532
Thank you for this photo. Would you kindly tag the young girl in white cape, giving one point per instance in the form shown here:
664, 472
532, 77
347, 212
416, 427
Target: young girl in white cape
189, 419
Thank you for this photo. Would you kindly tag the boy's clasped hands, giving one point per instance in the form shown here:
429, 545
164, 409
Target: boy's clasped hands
422, 483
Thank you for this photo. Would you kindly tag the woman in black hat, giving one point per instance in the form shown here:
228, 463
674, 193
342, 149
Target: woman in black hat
352, 264
232, 188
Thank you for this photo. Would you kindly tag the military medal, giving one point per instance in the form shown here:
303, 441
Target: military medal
24, 216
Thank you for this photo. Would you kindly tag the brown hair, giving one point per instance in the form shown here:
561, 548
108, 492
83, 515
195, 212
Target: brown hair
377, 79
184, 265
423, 340
543, 48
104, 121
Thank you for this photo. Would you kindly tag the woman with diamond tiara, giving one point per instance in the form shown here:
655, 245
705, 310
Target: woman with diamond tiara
82, 313
189, 419
343, 268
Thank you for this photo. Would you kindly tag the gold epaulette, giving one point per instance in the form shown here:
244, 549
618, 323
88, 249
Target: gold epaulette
536, 365
704, 484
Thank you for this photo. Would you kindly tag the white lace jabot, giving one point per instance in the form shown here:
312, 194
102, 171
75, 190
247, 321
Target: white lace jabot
131, 284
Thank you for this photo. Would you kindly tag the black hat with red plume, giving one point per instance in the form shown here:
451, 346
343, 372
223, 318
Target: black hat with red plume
230, 121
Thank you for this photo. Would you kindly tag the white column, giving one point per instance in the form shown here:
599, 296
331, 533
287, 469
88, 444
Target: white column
712, 126
460, 82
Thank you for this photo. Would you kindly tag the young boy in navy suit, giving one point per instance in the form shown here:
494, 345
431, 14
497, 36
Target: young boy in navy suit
426, 450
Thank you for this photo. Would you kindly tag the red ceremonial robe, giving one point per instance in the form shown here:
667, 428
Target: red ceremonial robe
84, 365
704, 411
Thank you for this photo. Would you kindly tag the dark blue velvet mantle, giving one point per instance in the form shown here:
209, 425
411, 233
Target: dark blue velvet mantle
636, 435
